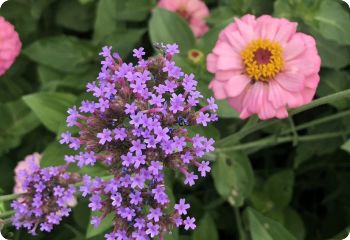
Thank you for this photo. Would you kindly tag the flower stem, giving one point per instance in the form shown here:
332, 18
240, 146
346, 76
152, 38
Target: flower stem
274, 140
260, 125
10, 197
7, 214
242, 235
319, 121
294, 131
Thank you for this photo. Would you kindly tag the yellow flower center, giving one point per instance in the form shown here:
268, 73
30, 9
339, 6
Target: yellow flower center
262, 59
195, 55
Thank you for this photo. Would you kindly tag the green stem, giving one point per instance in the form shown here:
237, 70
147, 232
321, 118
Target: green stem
10, 197
294, 131
240, 229
319, 121
260, 125
274, 140
7, 214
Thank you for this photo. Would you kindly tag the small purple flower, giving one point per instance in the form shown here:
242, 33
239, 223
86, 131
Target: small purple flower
135, 198
137, 147
177, 103
154, 214
152, 229
182, 207
203, 119
105, 136
190, 178
189, 223
95, 203
138, 53
203, 168
66, 138
120, 134
172, 49
95, 221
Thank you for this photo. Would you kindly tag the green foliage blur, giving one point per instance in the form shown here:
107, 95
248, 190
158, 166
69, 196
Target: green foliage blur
291, 191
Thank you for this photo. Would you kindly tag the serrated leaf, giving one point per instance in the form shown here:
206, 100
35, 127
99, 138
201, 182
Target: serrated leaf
50, 108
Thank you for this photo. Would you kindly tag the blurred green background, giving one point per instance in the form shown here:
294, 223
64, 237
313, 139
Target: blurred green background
290, 191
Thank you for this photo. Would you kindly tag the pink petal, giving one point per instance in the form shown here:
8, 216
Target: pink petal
276, 94
293, 48
218, 89
285, 31
229, 62
236, 84
212, 62
293, 82
246, 30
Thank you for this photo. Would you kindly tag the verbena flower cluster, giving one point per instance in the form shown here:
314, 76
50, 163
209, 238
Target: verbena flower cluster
137, 127
48, 194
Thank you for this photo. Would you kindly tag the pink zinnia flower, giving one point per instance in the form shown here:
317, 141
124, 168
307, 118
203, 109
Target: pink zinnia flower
10, 45
193, 11
24, 167
263, 66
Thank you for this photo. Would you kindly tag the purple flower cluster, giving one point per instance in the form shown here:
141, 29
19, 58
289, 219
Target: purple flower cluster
48, 195
137, 127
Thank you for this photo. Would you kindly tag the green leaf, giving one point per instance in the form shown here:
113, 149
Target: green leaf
233, 177
206, 229
168, 27
346, 146
54, 153
220, 14
106, 224
50, 108
67, 54
207, 42
283, 8
225, 110
333, 81
332, 54
16, 121
72, 14
133, 10
332, 21
125, 40
105, 23
279, 188
262, 227
294, 223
